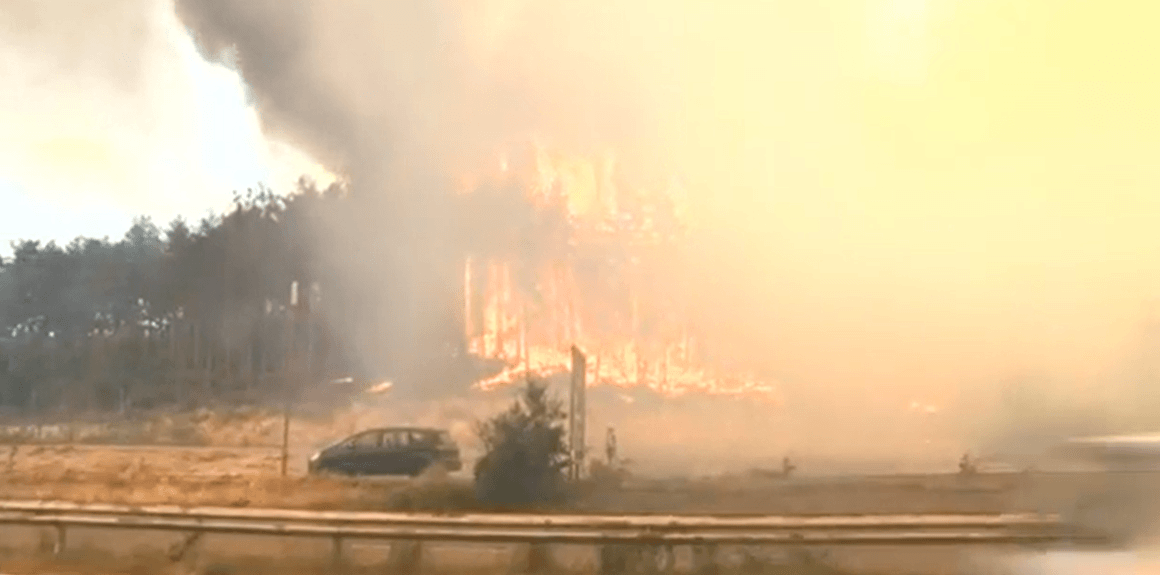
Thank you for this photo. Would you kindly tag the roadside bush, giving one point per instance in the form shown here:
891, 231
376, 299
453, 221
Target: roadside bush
525, 456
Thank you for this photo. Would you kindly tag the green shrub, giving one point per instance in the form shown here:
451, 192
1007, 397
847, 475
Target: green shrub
525, 454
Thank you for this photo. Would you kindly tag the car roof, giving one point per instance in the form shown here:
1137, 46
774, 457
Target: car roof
405, 428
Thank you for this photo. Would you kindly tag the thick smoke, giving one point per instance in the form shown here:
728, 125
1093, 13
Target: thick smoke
417, 88
406, 98
859, 235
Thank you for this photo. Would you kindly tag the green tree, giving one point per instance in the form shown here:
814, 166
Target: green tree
526, 456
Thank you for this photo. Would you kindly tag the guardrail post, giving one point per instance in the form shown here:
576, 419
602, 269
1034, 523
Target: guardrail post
704, 559
533, 558
183, 548
405, 556
336, 555
663, 559
649, 559
61, 540
614, 559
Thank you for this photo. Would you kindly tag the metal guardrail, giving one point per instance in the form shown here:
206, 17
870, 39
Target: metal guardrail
658, 532
669, 523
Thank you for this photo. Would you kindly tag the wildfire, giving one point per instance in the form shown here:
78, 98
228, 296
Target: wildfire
624, 370
609, 287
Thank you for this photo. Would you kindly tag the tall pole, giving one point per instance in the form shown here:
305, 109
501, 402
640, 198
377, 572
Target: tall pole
524, 343
285, 436
288, 367
577, 412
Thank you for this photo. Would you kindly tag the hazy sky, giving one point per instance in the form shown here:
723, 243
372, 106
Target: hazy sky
113, 115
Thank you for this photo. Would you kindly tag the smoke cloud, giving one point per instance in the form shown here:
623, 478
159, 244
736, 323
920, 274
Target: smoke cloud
405, 99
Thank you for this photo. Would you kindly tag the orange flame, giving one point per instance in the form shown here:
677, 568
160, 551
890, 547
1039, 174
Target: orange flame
531, 324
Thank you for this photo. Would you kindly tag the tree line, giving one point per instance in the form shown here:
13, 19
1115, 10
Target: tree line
230, 306
99, 324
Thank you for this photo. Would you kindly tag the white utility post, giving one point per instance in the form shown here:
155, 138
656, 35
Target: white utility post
577, 412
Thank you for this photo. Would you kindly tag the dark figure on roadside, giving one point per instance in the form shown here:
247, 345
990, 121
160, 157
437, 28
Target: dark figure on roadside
787, 467
966, 466
610, 447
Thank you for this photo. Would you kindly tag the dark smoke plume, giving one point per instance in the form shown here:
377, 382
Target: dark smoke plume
402, 99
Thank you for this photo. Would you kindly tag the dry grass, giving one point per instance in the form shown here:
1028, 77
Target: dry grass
223, 477
224, 491
213, 477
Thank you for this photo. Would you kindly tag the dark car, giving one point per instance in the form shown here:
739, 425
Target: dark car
388, 451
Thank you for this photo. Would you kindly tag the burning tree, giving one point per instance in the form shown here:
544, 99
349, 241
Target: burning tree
587, 260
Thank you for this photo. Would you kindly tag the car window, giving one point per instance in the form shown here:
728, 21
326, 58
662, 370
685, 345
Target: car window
368, 440
405, 439
391, 439
445, 438
422, 438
